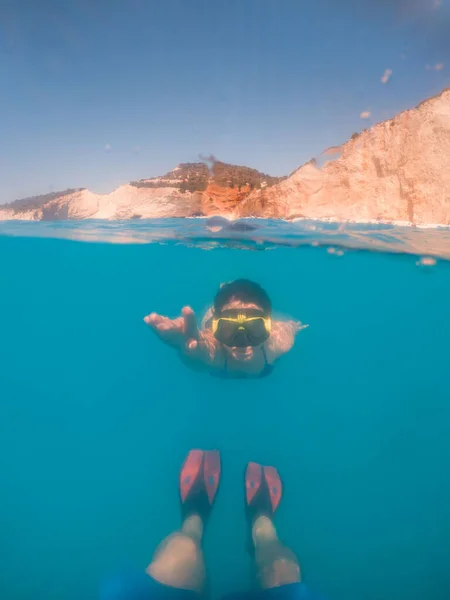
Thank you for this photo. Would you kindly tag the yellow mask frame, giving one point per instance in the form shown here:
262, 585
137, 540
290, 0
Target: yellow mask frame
241, 319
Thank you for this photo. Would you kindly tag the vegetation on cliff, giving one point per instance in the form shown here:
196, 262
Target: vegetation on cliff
36, 202
195, 177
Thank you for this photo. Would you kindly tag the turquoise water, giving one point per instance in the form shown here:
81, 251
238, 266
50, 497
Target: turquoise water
96, 415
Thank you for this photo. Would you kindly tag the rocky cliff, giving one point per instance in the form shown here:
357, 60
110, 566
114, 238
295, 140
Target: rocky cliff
398, 170
191, 189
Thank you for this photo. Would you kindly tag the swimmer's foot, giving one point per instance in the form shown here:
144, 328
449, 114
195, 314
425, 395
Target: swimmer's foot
263, 491
199, 482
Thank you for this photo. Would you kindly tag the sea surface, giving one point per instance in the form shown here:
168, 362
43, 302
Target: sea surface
96, 415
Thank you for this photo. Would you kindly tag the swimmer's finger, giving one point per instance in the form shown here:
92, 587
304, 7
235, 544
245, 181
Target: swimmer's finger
190, 323
191, 345
153, 319
167, 329
156, 321
196, 347
200, 346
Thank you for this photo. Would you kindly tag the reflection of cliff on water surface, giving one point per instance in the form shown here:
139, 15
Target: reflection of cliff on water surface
216, 224
256, 234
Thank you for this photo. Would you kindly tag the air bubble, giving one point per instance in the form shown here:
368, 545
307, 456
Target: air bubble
426, 261
335, 251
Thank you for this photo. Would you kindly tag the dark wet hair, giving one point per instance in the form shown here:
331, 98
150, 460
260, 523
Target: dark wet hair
245, 291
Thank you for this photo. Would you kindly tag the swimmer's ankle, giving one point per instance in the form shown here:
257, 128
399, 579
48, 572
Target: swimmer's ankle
263, 530
193, 527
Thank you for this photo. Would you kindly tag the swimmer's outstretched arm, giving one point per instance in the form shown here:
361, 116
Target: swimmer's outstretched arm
282, 337
183, 334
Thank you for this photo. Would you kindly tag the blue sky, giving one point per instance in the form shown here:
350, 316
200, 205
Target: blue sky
99, 92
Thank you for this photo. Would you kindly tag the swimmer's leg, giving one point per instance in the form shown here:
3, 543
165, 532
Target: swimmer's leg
276, 565
177, 571
178, 561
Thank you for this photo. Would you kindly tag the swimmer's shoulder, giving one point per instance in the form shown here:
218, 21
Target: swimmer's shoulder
282, 338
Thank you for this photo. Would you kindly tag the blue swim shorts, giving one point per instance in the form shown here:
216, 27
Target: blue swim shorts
142, 587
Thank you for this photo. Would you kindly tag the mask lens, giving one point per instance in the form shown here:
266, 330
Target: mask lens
226, 330
256, 331
233, 331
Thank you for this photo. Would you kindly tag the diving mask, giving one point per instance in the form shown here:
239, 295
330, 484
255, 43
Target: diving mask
241, 327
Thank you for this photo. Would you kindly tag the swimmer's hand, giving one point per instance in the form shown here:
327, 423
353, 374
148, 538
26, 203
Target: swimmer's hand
183, 333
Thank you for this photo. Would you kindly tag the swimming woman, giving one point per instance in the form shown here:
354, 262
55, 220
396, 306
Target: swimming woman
237, 338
